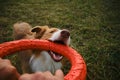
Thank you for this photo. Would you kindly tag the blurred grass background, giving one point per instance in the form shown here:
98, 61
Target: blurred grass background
94, 26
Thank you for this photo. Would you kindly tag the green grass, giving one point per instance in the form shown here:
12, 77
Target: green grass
94, 26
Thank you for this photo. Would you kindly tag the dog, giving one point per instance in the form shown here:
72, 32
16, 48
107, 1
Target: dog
40, 60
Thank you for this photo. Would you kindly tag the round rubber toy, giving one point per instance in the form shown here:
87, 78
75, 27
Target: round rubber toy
78, 68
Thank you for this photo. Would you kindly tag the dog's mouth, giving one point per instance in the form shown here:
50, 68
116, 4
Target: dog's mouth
56, 57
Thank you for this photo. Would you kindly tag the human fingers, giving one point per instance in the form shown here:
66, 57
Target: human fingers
0, 58
34, 76
48, 73
5, 61
9, 72
26, 77
59, 74
12, 73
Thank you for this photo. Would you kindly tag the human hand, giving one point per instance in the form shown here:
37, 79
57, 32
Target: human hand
7, 71
43, 76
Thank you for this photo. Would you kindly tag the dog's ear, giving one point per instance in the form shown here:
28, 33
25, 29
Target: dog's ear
36, 29
40, 30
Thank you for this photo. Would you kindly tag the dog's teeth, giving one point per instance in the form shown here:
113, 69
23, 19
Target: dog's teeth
56, 56
61, 57
52, 53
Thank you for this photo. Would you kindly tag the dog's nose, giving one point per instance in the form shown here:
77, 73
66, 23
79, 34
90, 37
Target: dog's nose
65, 33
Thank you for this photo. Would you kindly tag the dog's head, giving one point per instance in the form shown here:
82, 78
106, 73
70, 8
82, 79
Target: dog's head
53, 34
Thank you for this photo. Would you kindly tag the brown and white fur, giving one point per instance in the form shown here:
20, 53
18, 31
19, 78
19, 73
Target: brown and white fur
40, 60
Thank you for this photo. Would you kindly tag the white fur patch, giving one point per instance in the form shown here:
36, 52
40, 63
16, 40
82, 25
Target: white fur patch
57, 36
44, 62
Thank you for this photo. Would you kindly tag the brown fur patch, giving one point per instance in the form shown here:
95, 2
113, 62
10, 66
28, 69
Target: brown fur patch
22, 31
43, 32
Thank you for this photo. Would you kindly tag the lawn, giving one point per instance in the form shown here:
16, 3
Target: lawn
94, 27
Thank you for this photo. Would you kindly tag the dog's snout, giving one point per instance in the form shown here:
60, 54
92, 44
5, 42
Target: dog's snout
65, 33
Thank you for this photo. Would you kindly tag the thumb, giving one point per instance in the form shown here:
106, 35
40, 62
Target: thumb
59, 74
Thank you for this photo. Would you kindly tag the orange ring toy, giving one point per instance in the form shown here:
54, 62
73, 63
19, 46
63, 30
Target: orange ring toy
78, 68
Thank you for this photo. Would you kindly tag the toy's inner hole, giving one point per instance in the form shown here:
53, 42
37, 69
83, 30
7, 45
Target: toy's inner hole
19, 58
